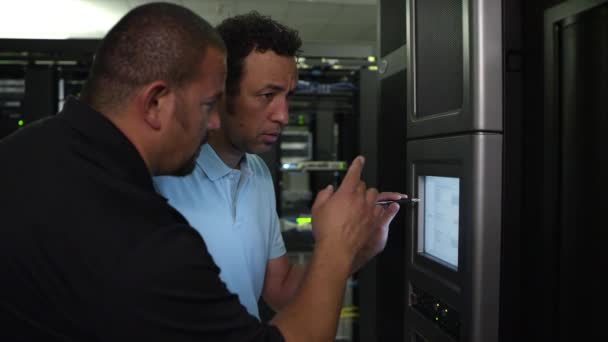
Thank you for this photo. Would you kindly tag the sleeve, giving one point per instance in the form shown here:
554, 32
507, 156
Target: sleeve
169, 289
277, 245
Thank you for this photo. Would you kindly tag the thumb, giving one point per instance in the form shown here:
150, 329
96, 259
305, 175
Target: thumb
388, 214
323, 196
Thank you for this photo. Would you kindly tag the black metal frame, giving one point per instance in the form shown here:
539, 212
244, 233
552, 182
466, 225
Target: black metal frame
49, 49
557, 246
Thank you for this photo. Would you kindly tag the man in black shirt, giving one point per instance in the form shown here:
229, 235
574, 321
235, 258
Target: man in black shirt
90, 252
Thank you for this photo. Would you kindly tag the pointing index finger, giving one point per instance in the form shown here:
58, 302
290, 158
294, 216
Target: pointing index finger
353, 175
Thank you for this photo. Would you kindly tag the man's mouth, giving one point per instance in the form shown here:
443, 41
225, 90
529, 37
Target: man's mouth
270, 138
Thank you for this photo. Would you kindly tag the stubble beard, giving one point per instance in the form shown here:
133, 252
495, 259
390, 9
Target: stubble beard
189, 165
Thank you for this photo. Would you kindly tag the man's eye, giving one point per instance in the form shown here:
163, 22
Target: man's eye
268, 95
210, 105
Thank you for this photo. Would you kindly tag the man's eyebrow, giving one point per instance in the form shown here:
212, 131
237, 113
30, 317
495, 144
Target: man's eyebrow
272, 86
215, 96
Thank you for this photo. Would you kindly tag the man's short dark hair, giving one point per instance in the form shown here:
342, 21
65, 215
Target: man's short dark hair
252, 31
156, 41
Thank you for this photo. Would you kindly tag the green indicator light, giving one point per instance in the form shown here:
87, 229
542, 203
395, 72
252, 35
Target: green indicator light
20, 122
436, 318
301, 119
302, 220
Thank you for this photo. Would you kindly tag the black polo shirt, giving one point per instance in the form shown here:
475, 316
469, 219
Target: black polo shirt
90, 252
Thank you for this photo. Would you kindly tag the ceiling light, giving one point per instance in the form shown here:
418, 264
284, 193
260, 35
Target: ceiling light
58, 19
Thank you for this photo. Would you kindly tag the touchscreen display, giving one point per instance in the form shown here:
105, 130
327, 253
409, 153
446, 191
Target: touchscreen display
441, 208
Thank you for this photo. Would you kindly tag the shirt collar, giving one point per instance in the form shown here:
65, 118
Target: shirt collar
214, 167
108, 146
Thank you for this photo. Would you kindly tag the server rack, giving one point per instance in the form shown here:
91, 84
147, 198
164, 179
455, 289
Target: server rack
37, 74
540, 246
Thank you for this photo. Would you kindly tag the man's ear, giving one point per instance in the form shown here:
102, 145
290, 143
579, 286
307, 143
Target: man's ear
156, 100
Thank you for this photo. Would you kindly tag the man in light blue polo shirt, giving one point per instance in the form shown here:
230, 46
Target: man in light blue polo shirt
234, 210
229, 198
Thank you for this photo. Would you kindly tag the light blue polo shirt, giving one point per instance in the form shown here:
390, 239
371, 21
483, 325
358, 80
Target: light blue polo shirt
235, 213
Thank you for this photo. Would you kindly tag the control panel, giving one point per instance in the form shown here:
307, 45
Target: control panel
443, 315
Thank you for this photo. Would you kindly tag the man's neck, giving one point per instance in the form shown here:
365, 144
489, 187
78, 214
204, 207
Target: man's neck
227, 152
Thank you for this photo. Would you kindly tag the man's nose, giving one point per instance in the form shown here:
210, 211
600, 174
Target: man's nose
214, 121
281, 114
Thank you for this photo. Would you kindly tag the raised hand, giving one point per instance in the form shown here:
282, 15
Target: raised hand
347, 217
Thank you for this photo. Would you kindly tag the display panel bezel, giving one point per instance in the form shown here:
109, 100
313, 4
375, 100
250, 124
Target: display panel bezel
420, 259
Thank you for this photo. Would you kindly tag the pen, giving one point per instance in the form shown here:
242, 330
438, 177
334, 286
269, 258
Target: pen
399, 201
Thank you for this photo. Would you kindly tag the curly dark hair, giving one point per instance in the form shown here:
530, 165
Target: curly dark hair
252, 31
156, 41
